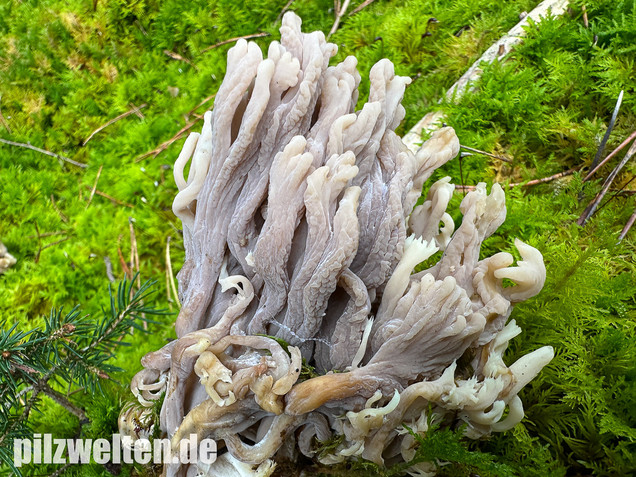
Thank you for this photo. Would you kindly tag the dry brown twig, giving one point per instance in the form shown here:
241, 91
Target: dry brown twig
285, 8
111, 198
4, 121
177, 56
236, 38
362, 6
489, 154
340, 11
164, 145
610, 155
134, 110
628, 226
99, 173
533, 182
44, 151
591, 208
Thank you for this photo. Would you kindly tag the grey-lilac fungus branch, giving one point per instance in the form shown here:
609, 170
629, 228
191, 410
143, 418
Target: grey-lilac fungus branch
301, 240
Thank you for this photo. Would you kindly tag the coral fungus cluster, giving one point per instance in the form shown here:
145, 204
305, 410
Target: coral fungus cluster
301, 240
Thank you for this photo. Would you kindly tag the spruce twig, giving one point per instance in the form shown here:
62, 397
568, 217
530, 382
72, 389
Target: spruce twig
44, 151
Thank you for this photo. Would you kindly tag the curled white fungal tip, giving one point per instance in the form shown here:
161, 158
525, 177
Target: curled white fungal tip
529, 275
303, 319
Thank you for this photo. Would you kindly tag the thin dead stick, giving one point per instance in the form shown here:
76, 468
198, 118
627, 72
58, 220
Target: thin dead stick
586, 23
164, 145
4, 121
628, 226
122, 262
236, 38
362, 6
134, 260
99, 173
616, 194
610, 155
339, 14
484, 153
546, 179
134, 255
48, 234
43, 151
134, 110
111, 198
601, 147
590, 209
533, 182
170, 275
282, 12
48, 245
57, 209
206, 100
177, 56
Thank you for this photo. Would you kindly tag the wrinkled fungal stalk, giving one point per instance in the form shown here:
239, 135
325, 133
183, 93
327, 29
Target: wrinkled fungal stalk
298, 224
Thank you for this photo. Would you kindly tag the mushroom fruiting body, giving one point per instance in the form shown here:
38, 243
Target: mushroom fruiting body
301, 241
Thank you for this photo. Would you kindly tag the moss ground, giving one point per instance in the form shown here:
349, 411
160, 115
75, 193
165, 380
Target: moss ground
68, 67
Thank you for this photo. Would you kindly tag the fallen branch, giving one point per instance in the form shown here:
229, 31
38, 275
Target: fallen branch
134, 110
591, 208
236, 38
610, 155
164, 145
44, 151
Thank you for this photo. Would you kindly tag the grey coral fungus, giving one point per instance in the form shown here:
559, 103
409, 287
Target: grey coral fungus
299, 226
